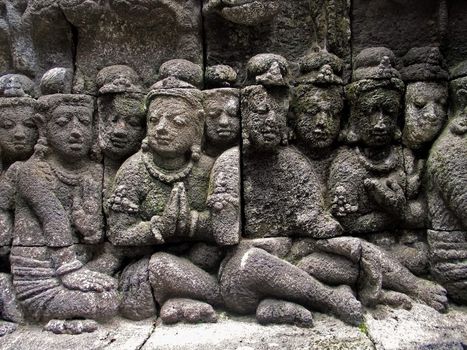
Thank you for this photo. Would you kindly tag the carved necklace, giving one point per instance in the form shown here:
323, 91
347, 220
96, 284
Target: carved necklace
66, 177
164, 176
387, 165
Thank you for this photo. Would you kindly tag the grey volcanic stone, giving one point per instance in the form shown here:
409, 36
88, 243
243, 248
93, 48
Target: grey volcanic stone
272, 311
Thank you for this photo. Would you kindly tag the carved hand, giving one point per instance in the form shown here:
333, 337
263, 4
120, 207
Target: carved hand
165, 225
184, 214
84, 213
414, 179
86, 281
388, 194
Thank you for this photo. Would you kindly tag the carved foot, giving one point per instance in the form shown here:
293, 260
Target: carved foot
346, 306
188, 311
396, 299
283, 312
431, 294
7, 328
71, 326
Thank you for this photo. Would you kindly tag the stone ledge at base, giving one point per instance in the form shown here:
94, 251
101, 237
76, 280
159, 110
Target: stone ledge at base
421, 328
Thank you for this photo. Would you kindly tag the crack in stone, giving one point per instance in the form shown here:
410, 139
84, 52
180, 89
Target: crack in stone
148, 336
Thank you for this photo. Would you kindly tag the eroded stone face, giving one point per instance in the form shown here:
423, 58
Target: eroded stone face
425, 113
222, 125
18, 132
318, 114
122, 125
173, 128
264, 116
69, 131
376, 115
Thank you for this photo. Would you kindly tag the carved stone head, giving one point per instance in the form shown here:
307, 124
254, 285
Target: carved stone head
318, 101
175, 121
317, 115
18, 132
16, 85
66, 125
245, 12
222, 125
426, 96
375, 99
425, 112
121, 112
264, 118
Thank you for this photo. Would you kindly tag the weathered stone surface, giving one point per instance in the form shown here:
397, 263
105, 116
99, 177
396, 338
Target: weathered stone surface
237, 333
399, 25
290, 29
130, 33
118, 334
418, 328
35, 37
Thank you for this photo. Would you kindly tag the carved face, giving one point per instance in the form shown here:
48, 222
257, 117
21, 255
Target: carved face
376, 114
69, 131
425, 113
222, 125
172, 127
318, 113
265, 118
249, 12
121, 125
18, 132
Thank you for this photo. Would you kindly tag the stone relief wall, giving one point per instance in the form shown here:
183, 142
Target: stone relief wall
175, 158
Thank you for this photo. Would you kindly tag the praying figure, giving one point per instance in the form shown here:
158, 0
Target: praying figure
166, 196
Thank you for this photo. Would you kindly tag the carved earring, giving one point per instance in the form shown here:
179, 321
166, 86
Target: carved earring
245, 140
145, 145
195, 152
41, 149
285, 138
397, 134
348, 136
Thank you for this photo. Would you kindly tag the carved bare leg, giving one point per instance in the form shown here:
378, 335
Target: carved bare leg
174, 280
398, 278
253, 275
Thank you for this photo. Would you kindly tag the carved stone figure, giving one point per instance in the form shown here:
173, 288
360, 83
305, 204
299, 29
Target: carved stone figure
222, 125
447, 178
253, 27
161, 197
425, 98
58, 204
281, 199
121, 118
139, 33
373, 183
18, 135
318, 106
372, 187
